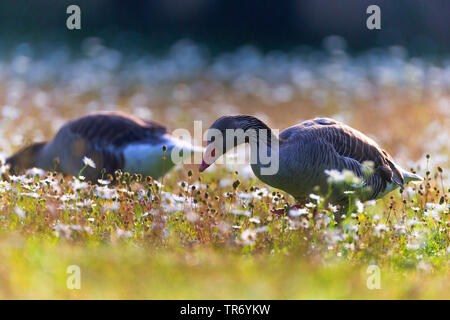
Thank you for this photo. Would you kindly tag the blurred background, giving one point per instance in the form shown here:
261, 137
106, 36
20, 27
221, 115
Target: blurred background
421, 26
179, 61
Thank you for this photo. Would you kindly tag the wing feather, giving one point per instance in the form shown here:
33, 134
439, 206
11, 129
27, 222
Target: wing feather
115, 129
347, 148
102, 137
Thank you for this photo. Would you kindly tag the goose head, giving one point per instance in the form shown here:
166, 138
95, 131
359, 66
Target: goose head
228, 132
25, 158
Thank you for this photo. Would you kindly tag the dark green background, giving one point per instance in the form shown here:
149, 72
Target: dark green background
422, 26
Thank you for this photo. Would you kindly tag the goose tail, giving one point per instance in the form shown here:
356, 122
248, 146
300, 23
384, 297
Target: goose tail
196, 149
190, 148
185, 147
411, 177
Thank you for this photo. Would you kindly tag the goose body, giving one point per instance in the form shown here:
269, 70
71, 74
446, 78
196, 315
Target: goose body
309, 151
113, 140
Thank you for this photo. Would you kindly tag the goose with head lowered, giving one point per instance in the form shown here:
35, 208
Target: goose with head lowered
308, 155
113, 140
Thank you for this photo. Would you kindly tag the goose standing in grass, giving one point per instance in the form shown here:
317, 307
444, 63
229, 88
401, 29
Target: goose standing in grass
312, 153
113, 140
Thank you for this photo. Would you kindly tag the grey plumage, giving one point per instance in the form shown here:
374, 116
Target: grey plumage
310, 148
113, 140
101, 136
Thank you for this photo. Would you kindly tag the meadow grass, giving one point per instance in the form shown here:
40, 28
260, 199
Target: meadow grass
213, 236
203, 239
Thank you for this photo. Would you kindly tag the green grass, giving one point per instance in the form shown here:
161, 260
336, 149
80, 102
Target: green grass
34, 269
153, 243
216, 241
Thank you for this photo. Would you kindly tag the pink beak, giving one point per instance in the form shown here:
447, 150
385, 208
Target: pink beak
203, 166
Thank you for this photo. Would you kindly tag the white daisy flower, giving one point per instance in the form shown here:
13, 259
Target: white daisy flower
35, 172
4, 186
19, 212
89, 162
380, 229
359, 206
105, 193
104, 182
254, 220
298, 212
248, 236
315, 197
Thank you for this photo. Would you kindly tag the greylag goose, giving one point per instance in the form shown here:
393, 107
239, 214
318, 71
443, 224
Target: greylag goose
113, 140
308, 153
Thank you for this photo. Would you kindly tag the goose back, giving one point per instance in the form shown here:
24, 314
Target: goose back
115, 128
313, 146
101, 136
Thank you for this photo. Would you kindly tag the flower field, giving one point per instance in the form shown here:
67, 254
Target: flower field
213, 236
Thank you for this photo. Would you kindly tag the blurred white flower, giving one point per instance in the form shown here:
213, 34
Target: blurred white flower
30, 194
191, 216
344, 176
238, 212
401, 230
359, 206
380, 229
89, 162
78, 185
105, 192
310, 205
298, 212
86, 203
4, 186
112, 206
10, 112
19, 212
261, 229
35, 172
103, 182
15, 179
332, 208
437, 207
67, 206
4, 168
63, 230
123, 234
370, 203
254, 220
424, 267
68, 197
333, 236
260, 193
413, 222
413, 246
315, 197
432, 214
223, 183
248, 236
172, 203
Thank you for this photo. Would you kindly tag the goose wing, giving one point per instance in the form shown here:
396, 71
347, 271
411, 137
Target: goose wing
337, 146
102, 137
115, 129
